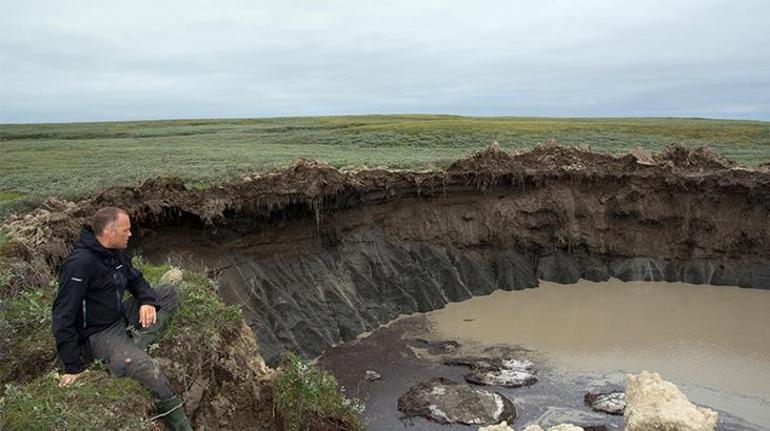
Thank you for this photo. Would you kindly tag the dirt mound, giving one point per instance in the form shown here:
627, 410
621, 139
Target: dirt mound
700, 158
491, 160
308, 178
551, 156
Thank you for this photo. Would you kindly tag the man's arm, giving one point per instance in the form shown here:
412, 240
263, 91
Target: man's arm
74, 278
141, 290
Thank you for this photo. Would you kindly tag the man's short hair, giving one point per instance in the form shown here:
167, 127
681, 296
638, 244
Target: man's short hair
104, 217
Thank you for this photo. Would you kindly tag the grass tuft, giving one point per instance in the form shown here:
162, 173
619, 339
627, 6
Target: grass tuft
306, 397
201, 311
27, 344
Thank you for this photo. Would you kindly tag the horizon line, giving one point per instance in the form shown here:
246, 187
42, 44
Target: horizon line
412, 114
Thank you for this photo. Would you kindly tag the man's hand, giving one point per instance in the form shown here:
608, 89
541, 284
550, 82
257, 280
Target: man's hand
146, 315
67, 379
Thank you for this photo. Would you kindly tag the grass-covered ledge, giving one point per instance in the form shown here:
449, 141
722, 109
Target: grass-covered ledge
208, 353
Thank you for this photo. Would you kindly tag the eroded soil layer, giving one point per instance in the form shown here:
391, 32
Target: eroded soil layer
318, 255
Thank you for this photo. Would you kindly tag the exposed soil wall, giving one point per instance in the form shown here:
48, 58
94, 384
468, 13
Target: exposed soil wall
318, 255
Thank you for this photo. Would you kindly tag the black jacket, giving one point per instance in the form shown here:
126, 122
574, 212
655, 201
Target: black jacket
92, 280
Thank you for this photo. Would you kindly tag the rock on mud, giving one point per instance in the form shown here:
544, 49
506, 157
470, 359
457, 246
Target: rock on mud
371, 375
508, 372
445, 401
493, 363
613, 403
653, 403
503, 377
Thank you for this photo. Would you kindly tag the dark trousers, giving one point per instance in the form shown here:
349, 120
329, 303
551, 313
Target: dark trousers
117, 348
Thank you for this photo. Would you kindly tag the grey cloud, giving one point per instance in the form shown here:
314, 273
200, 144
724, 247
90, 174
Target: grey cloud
84, 60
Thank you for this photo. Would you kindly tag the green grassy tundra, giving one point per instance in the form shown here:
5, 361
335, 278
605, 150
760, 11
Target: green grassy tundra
70, 160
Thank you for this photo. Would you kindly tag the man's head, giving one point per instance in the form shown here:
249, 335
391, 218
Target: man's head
112, 227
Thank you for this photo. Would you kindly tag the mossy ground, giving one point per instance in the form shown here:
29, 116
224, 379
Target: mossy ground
26, 294
98, 401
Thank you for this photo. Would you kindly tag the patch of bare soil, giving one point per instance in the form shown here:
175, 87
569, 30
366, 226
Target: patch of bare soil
225, 389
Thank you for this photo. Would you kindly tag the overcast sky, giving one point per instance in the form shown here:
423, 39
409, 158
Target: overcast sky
63, 61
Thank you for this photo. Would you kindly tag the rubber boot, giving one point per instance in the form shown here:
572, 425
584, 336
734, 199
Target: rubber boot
176, 420
148, 335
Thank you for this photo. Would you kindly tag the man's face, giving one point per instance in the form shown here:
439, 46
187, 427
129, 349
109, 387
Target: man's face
119, 232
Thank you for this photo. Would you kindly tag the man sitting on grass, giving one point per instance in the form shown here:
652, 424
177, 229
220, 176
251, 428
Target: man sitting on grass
91, 321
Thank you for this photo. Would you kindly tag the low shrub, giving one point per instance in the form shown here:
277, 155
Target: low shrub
306, 398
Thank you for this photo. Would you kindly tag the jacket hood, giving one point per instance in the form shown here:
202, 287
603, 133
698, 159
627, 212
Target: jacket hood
87, 240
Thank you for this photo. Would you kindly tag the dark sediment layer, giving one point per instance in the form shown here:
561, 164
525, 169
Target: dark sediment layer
317, 255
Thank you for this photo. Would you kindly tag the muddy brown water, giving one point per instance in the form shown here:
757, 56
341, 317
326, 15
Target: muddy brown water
713, 342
